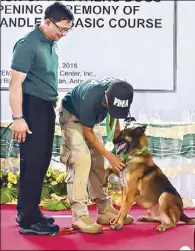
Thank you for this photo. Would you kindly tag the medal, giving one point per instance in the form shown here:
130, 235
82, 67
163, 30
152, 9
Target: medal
109, 146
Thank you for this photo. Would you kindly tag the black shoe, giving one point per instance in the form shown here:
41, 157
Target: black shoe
43, 218
39, 228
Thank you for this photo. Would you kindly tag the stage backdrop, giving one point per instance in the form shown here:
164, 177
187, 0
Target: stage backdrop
132, 40
149, 43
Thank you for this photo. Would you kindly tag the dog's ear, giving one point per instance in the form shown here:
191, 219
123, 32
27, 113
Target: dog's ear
140, 129
144, 128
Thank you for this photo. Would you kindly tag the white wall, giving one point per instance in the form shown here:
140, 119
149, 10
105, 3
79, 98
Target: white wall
164, 106
171, 106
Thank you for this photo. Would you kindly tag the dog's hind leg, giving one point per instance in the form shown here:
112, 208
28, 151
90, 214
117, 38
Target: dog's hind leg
153, 215
147, 219
170, 212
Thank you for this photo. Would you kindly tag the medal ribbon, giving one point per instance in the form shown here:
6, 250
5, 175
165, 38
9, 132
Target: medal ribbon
110, 131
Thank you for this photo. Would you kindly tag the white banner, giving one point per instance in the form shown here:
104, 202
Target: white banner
131, 40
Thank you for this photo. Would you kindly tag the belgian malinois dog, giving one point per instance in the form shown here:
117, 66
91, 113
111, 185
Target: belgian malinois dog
145, 184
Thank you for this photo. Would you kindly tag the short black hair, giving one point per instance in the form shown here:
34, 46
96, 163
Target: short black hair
58, 12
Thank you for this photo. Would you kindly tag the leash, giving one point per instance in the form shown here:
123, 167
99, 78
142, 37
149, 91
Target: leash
66, 231
121, 177
70, 230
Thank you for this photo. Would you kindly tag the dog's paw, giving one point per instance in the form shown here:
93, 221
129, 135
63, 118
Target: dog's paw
116, 226
161, 228
142, 218
145, 219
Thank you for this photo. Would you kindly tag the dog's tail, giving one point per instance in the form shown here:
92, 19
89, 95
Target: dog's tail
187, 220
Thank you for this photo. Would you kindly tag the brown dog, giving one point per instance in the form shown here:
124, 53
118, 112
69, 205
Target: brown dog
145, 184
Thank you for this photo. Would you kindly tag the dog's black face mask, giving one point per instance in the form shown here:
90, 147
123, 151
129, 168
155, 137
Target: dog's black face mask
128, 139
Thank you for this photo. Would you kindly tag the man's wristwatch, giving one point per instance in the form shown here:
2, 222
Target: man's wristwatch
17, 118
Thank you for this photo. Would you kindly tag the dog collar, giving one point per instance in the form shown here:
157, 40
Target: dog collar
126, 156
145, 149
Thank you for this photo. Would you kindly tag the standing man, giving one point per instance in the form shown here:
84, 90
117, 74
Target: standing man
83, 152
33, 93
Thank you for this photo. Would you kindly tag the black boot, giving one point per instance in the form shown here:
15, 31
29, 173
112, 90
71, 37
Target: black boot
40, 228
43, 218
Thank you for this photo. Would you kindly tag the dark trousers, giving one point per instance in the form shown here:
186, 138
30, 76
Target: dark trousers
35, 156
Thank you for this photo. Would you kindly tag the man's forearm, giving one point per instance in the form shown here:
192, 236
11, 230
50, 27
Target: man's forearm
15, 98
96, 143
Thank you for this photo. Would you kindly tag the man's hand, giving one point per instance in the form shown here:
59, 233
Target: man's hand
20, 128
116, 163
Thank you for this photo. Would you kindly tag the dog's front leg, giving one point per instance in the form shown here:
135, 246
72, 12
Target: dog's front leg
129, 193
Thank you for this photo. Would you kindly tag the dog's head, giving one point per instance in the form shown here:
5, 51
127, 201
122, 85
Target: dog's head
131, 139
